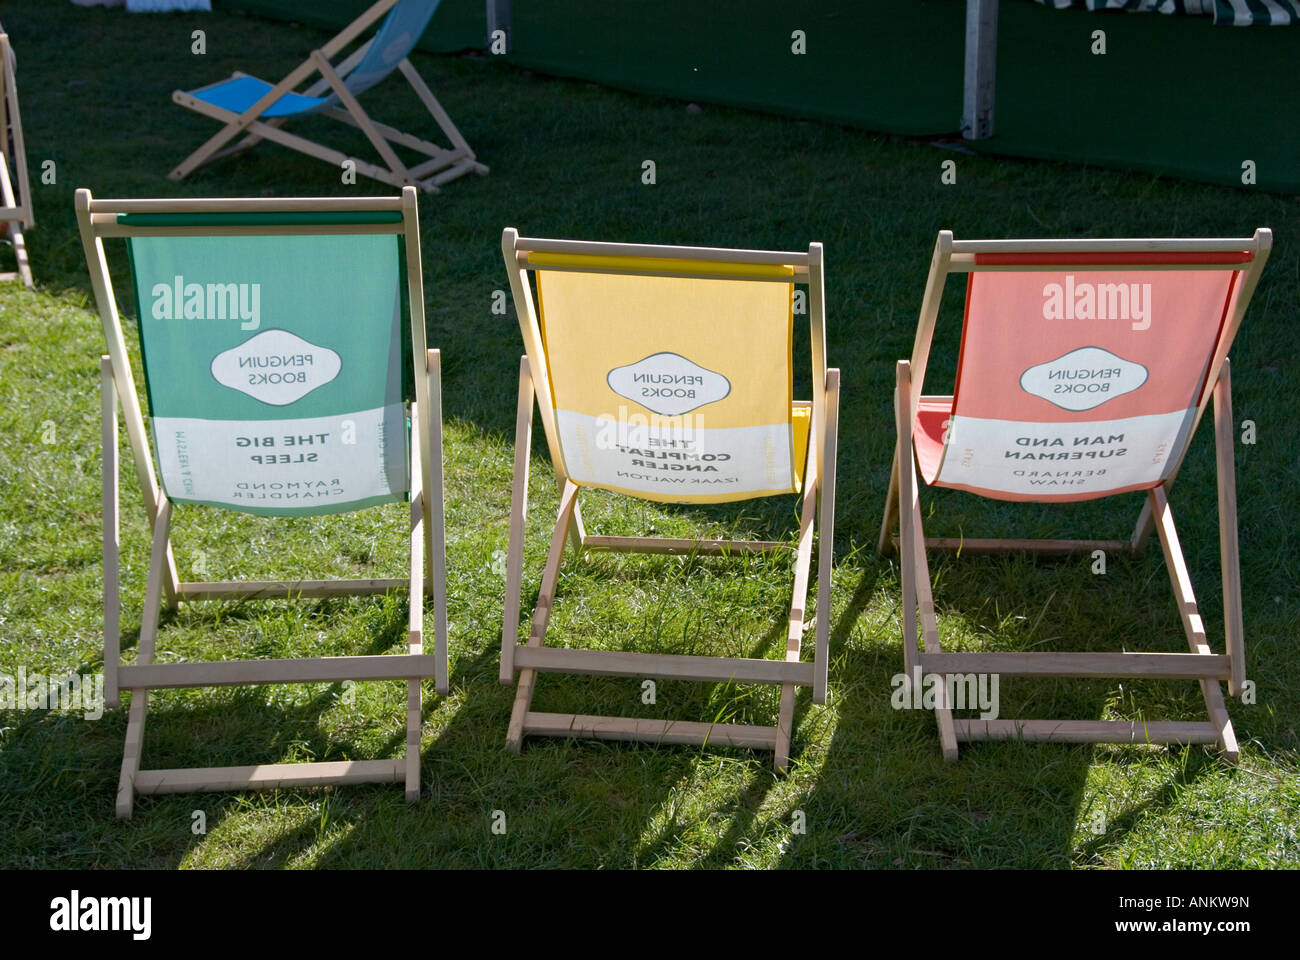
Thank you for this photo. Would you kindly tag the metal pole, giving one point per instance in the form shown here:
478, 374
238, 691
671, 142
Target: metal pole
981, 68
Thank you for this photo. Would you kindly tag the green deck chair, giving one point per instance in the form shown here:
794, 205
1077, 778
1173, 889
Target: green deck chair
283, 350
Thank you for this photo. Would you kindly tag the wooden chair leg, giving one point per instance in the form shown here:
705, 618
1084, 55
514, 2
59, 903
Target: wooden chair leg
204, 154
249, 141
15, 226
125, 804
889, 523
415, 635
798, 607
414, 727
144, 655
20, 255
784, 728
1234, 630
353, 106
111, 541
1193, 626
930, 636
906, 541
917, 597
435, 525
826, 538
541, 617
440, 116
518, 519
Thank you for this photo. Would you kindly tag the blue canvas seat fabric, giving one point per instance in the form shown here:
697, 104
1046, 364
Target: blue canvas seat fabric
239, 93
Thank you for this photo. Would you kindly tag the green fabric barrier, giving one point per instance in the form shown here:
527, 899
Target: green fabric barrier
1172, 95
860, 68
275, 368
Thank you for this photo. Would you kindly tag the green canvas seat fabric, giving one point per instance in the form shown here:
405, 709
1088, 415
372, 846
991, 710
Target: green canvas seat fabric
275, 368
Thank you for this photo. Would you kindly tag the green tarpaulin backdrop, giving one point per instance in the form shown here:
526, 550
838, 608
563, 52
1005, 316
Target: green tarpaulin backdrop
1171, 95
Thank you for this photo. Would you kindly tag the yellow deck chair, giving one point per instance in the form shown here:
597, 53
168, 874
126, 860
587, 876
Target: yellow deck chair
15, 188
284, 354
664, 373
1085, 367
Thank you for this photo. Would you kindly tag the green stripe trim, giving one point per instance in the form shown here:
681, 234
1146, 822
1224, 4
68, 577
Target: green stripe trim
309, 217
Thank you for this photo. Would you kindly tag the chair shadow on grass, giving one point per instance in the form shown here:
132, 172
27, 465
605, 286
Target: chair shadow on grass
245, 729
576, 802
1001, 803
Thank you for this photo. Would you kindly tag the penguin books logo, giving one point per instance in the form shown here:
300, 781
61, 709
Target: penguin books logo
276, 367
668, 384
1083, 378
78, 914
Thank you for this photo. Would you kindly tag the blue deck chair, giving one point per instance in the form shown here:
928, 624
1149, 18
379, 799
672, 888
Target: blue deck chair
257, 109
283, 350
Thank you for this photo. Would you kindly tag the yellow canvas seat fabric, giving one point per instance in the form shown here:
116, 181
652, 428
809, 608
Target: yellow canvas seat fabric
662, 386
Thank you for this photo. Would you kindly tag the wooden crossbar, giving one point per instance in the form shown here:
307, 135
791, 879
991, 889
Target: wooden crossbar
262, 589
1172, 666
1087, 731
268, 776
652, 730
618, 663
975, 545
229, 673
678, 546
112, 207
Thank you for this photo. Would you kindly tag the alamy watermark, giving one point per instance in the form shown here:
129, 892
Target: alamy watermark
946, 691
37, 691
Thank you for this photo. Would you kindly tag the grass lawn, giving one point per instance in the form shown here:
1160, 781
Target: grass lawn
566, 161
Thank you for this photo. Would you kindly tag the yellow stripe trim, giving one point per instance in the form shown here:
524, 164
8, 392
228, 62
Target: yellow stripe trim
660, 265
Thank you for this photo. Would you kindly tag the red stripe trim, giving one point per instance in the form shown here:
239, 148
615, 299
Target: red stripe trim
1102, 259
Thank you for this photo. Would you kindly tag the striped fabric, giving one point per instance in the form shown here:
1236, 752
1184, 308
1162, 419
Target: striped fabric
1232, 13
1244, 13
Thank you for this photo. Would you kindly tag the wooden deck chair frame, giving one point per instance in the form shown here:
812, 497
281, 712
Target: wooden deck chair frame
442, 165
521, 663
15, 188
98, 219
903, 513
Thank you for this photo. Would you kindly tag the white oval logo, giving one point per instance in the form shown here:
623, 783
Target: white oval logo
1083, 378
276, 367
668, 384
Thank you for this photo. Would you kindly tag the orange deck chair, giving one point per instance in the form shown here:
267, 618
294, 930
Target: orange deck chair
1084, 369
